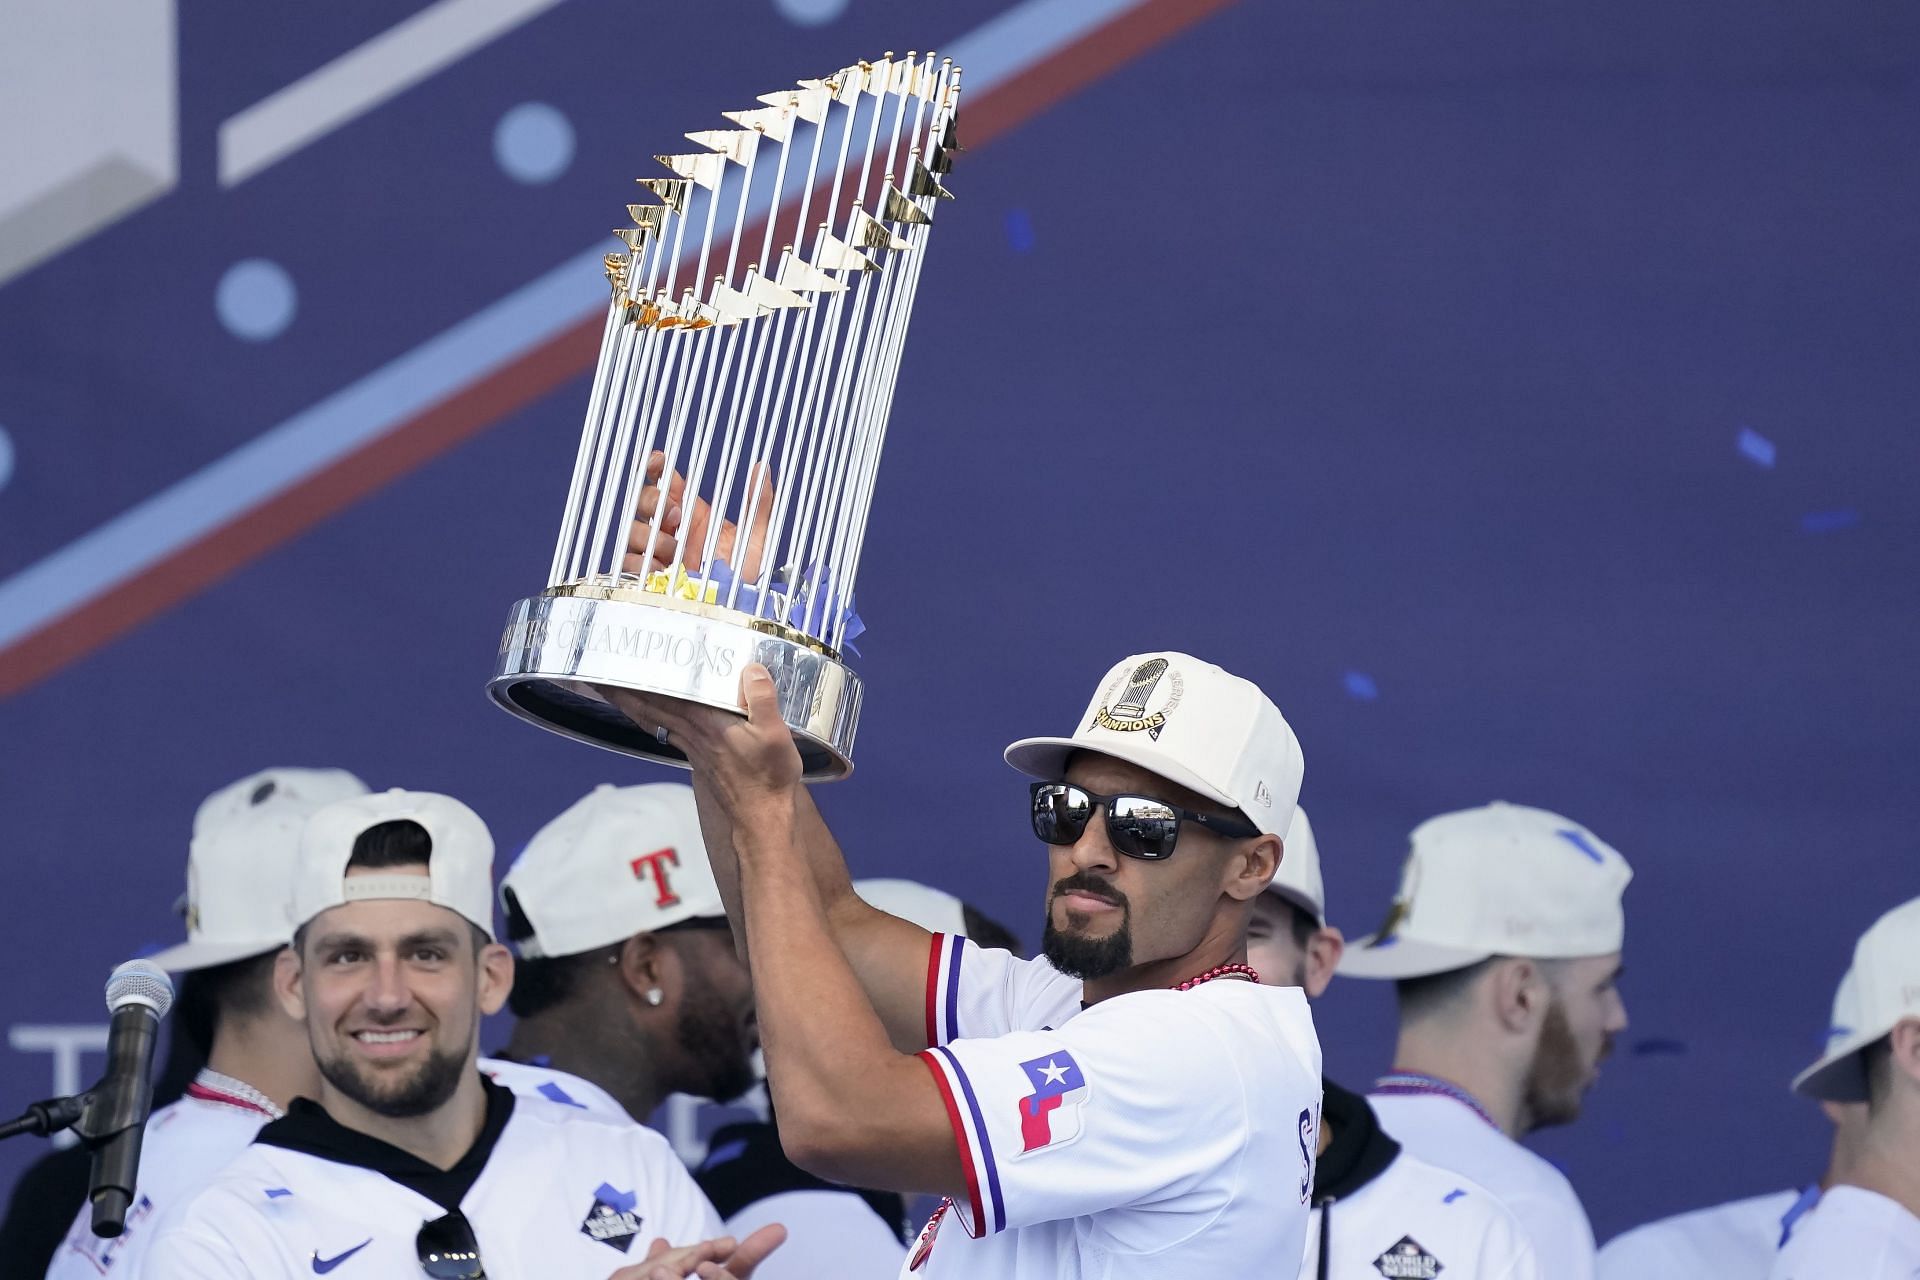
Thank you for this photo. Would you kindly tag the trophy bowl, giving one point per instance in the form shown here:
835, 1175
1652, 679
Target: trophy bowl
725, 471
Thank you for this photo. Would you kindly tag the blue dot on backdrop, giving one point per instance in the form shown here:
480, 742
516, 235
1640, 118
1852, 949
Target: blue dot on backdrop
256, 299
6, 457
810, 13
533, 143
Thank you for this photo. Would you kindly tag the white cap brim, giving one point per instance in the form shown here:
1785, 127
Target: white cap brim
1841, 1074
1402, 957
1046, 758
188, 956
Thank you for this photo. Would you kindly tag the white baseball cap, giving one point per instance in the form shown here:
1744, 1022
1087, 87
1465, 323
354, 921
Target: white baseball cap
1500, 880
1881, 988
1191, 723
246, 837
621, 861
932, 909
459, 863
1298, 881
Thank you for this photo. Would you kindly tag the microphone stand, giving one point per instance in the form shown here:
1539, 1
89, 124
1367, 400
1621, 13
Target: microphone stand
49, 1117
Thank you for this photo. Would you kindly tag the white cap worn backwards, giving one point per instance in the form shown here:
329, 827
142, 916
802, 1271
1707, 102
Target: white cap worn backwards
459, 863
246, 838
621, 861
1190, 723
1880, 989
1500, 880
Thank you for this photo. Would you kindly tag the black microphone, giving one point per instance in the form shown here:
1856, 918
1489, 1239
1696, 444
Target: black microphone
138, 996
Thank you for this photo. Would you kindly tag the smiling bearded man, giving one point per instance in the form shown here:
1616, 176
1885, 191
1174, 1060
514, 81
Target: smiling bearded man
411, 1160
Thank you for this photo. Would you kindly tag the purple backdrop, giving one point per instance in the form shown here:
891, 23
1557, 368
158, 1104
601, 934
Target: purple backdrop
1522, 395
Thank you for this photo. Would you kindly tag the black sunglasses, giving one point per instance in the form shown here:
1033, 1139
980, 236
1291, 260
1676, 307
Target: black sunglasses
447, 1250
1138, 826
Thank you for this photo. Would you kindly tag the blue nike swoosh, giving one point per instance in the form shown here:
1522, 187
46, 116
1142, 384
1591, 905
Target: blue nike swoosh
323, 1265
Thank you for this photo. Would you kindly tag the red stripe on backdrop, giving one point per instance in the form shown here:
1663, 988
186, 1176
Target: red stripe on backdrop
420, 439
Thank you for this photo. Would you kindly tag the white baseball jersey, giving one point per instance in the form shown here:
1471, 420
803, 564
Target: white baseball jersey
1448, 1133
1852, 1234
538, 1080
1155, 1134
189, 1141
550, 1191
185, 1144
1380, 1212
1734, 1240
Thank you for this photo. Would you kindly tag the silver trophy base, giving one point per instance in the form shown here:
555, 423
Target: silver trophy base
560, 652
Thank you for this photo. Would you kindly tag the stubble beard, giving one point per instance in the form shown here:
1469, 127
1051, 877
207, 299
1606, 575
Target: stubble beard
426, 1090
1558, 1075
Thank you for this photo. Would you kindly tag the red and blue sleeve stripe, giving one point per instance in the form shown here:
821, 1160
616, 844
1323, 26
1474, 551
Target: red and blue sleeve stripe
987, 1206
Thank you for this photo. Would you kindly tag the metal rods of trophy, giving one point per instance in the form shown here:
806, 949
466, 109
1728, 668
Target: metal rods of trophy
721, 490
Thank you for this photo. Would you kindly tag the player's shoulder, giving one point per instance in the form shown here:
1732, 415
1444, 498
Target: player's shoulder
1660, 1236
544, 1085
568, 1128
1412, 1181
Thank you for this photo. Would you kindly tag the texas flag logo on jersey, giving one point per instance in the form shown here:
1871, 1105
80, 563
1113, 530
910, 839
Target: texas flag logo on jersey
1045, 1118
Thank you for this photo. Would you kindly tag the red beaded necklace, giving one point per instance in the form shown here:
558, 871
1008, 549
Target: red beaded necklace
1239, 972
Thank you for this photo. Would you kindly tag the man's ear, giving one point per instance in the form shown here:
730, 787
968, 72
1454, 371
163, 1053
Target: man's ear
1905, 1039
1324, 950
1252, 866
496, 977
647, 965
1519, 992
286, 984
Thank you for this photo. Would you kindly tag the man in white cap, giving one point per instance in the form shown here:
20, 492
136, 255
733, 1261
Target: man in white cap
1377, 1211
1121, 1108
1504, 942
411, 1160
627, 975
239, 870
1867, 1225
1741, 1237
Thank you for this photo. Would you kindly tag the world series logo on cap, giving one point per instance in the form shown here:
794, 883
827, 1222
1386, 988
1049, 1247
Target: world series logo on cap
748, 368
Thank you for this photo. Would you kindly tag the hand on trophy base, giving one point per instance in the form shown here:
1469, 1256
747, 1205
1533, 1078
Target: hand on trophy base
745, 757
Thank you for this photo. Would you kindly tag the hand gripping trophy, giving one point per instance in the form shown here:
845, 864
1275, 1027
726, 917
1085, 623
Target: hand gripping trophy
726, 467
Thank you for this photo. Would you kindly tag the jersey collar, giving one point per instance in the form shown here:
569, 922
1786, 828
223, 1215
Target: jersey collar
308, 1129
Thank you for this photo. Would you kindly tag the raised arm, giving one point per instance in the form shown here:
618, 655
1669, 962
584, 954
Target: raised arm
853, 1107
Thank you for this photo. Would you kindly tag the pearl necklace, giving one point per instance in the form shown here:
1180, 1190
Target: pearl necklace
1238, 972
214, 1086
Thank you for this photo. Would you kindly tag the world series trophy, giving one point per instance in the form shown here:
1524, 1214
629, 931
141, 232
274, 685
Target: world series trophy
725, 472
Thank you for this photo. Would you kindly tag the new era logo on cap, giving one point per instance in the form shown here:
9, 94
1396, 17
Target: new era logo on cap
621, 861
1191, 723
1500, 880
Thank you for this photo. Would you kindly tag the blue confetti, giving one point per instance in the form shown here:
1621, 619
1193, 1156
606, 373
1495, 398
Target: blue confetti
1829, 521
1019, 231
1653, 1046
1756, 448
1581, 843
1453, 1195
1360, 686
274, 1193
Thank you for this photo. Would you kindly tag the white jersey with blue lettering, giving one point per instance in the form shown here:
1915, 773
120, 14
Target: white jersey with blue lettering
549, 1191
189, 1141
1154, 1134
1736, 1240
1852, 1234
1447, 1132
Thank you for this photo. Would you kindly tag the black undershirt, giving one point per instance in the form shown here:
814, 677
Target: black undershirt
308, 1129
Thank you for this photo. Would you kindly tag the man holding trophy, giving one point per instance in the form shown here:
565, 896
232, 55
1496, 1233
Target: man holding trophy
1121, 1108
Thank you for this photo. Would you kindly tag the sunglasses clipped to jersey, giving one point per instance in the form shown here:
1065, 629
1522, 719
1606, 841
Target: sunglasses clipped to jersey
447, 1249
1137, 826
